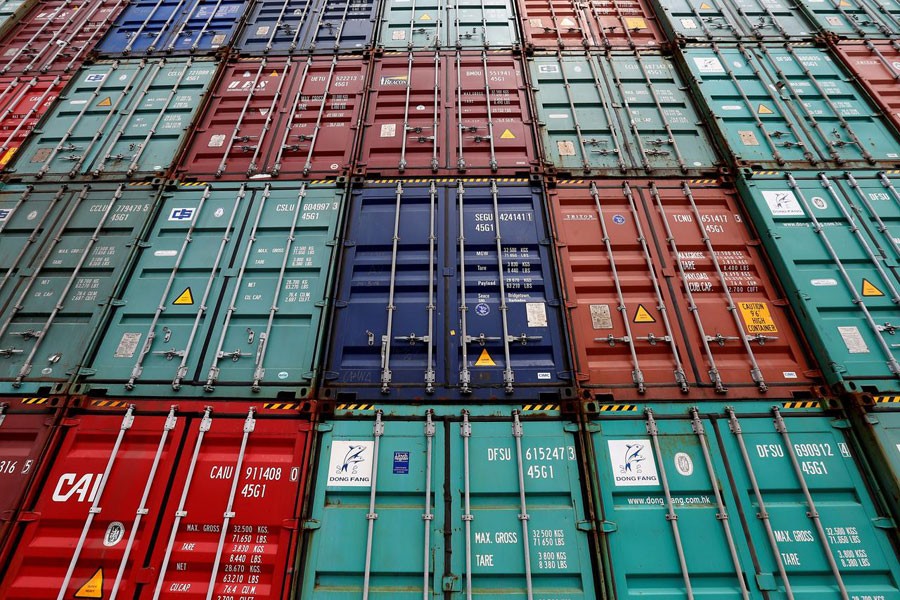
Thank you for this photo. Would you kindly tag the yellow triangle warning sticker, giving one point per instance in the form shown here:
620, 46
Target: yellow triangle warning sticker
844, 3
274, 74
567, 22
485, 360
93, 588
869, 289
425, 17
185, 298
105, 102
507, 135
705, 6
643, 315
764, 110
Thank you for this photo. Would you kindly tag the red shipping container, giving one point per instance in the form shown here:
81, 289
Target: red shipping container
592, 25
279, 117
447, 113
670, 296
26, 430
56, 36
23, 101
169, 499
877, 67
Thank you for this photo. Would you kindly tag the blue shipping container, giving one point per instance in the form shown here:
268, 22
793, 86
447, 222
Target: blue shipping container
447, 290
167, 26
288, 26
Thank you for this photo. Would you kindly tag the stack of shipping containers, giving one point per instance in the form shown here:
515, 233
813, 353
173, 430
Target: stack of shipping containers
544, 299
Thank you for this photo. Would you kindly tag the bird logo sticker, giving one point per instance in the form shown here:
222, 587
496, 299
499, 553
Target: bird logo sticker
350, 464
632, 463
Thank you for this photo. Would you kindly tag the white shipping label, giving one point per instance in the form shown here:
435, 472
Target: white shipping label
127, 345
708, 64
350, 464
782, 203
689, 23
853, 339
262, 30
632, 463
216, 141
536, 313
601, 318
823, 282
398, 35
388, 130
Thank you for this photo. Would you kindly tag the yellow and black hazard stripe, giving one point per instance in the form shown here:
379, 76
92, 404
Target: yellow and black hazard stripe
110, 403
755, 173
140, 183
887, 399
34, 401
617, 408
801, 404
540, 407
451, 180
702, 181
355, 407
282, 405
892, 172
192, 183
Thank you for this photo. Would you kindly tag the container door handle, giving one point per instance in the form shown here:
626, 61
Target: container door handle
518, 432
371, 516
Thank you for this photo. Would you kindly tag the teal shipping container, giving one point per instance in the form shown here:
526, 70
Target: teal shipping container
832, 238
227, 295
617, 114
758, 501
877, 424
856, 19
447, 504
789, 107
63, 252
436, 25
735, 20
123, 119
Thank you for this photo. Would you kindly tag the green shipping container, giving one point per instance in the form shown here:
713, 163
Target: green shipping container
756, 502
616, 115
447, 506
436, 25
878, 428
117, 120
789, 107
856, 19
833, 239
227, 296
733, 20
63, 252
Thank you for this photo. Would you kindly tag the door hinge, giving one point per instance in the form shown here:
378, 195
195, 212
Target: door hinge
311, 524
608, 526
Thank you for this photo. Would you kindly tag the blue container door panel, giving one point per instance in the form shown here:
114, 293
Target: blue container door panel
472, 313
345, 26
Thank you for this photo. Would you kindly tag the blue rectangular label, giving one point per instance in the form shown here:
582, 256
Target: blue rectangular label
401, 463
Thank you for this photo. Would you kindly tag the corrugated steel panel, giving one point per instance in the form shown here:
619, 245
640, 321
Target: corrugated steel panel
856, 19
876, 66
447, 290
27, 428
173, 501
462, 113
11, 11
227, 296
735, 20
281, 27
833, 241
456, 24
617, 114
279, 117
669, 296
502, 502
56, 36
117, 119
789, 107
23, 101
64, 250
173, 26
600, 25
750, 502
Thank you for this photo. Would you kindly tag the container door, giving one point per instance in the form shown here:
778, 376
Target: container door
344, 26
207, 27
856, 19
486, 508
517, 514
808, 511
670, 521
828, 248
378, 512
69, 247
228, 292
168, 506
23, 102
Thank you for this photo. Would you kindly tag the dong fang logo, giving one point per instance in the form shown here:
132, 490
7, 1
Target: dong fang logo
350, 464
632, 462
